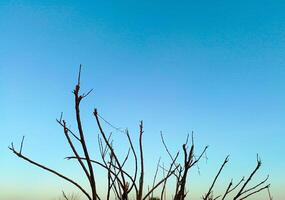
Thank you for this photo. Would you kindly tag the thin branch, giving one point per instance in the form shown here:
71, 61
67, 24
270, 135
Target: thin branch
109, 145
49, 170
159, 183
156, 171
200, 156
111, 125
248, 179
269, 194
141, 179
254, 187
136, 163
60, 122
242, 179
22, 142
79, 75
65, 130
265, 187
64, 195
216, 177
227, 190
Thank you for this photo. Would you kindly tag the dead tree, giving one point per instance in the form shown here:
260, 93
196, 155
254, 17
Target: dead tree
121, 184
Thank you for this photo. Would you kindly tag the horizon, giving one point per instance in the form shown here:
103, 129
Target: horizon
214, 68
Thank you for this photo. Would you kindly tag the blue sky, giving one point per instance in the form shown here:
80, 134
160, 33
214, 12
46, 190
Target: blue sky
213, 67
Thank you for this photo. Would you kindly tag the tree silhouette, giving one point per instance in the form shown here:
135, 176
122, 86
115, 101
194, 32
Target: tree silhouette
122, 184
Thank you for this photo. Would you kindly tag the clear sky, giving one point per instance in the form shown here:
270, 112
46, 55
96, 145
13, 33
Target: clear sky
213, 67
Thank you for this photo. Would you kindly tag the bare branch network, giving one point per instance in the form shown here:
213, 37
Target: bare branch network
125, 185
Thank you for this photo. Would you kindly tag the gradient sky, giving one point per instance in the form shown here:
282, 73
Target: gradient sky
213, 67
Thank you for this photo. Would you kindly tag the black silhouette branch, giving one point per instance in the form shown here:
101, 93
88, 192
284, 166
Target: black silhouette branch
20, 155
215, 179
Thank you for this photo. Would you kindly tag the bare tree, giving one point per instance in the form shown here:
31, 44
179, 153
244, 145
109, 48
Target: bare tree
121, 183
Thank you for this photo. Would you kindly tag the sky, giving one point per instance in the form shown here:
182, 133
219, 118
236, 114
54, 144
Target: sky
216, 68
